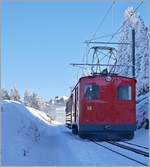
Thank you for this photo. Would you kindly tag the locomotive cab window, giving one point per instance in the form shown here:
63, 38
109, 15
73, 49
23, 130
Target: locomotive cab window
91, 92
124, 93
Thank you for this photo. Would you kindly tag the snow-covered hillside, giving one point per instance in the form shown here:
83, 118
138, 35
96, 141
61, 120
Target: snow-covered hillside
28, 138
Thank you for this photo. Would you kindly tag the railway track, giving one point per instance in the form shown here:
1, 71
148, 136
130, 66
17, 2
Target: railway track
133, 144
138, 151
107, 144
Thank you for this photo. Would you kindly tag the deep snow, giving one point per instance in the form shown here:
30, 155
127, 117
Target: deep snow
28, 138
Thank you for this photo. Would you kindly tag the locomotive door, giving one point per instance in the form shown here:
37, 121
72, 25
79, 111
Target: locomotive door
77, 104
75, 116
76, 101
74, 107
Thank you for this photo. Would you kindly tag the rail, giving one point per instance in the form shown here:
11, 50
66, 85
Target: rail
129, 148
123, 155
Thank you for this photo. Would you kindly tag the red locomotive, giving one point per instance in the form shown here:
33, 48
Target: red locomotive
103, 106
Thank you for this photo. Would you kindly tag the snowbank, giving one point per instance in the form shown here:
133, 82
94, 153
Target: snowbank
22, 130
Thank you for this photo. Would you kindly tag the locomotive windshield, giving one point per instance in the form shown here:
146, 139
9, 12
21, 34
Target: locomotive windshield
91, 92
124, 93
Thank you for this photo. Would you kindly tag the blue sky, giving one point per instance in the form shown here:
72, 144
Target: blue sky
39, 40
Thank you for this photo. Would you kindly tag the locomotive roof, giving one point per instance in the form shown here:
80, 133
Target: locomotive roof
115, 75
102, 75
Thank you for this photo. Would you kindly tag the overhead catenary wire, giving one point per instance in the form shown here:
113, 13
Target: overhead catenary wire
112, 19
100, 37
99, 26
110, 35
118, 30
102, 21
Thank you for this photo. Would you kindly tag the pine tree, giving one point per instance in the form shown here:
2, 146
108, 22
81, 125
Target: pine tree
34, 100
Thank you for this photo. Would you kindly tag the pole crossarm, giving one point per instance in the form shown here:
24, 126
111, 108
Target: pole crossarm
101, 42
89, 64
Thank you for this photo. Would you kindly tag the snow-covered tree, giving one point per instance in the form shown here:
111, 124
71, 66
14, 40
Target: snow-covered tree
14, 94
34, 100
37, 101
27, 99
144, 76
124, 54
4, 94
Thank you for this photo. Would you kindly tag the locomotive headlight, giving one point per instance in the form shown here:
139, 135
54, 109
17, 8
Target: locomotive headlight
108, 78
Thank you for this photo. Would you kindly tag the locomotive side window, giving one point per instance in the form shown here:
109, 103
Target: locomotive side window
124, 93
91, 92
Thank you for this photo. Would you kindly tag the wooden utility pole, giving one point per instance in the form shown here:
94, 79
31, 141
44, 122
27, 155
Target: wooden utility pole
133, 52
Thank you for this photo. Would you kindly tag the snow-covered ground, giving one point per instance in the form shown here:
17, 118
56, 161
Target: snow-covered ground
28, 138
